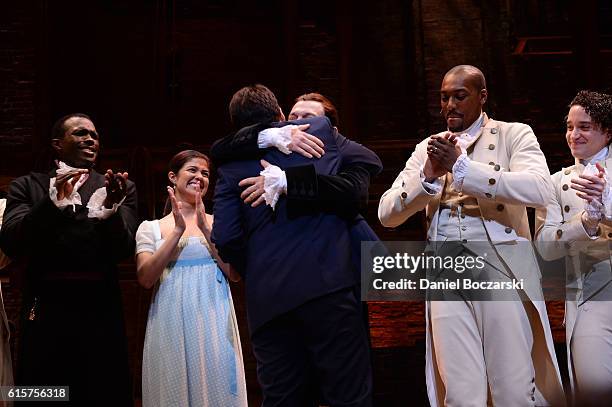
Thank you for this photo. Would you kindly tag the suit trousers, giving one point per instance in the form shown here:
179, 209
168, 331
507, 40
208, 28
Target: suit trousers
591, 350
484, 348
317, 351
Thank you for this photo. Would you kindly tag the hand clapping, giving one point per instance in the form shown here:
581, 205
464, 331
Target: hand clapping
116, 187
444, 150
179, 219
65, 183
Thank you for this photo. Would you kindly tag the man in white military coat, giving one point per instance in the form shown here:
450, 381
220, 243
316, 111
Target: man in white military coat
474, 182
577, 225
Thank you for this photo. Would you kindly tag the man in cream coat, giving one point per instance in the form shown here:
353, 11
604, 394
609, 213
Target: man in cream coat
474, 183
577, 225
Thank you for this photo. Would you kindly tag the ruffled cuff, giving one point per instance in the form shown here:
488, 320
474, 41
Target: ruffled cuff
459, 171
275, 184
96, 205
431, 187
279, 137
606, 198
74, 198
590, 222
596, 210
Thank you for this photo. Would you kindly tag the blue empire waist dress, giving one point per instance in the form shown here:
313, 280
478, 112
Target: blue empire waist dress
192, 354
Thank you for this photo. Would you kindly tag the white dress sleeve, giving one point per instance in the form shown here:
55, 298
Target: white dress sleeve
145, 238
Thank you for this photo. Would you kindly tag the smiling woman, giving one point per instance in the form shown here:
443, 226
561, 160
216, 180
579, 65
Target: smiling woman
192, 353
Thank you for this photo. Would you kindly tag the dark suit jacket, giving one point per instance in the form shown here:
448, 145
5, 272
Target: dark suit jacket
72, 293
287, 259
344, 194
54, 240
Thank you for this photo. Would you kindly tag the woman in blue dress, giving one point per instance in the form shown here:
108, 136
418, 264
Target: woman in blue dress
192, 354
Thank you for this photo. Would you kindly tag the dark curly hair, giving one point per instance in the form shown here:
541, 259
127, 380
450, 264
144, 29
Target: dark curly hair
598, 106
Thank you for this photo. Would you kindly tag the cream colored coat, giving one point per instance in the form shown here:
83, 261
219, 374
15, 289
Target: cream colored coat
507, 167
560, 233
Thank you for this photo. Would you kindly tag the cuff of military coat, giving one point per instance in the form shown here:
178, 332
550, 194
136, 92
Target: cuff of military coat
482, 180
573, 230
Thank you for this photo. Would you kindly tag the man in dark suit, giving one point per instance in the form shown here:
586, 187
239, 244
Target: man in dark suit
344, 194
304, 316
72, 225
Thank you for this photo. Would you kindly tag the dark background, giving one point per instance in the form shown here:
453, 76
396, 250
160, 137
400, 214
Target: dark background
157, 75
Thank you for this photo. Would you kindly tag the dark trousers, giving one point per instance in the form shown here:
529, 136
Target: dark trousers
318, 351
77, 339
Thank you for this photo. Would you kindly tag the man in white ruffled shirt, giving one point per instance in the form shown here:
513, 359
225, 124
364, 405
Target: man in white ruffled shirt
72, 226
474, 182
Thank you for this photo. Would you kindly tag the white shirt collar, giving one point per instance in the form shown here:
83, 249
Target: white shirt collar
466, 136
600, 156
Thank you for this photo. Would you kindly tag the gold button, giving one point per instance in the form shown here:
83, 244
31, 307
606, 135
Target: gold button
404, 195
497, 167
508, 230
488, 195
500, 207
559, 233
567, 172
493, 131
491, 146
565, 187
460, 193
567, 208
491, 181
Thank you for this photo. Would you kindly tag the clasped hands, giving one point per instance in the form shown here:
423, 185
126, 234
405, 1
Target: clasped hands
590, 187
115, 184
442, 154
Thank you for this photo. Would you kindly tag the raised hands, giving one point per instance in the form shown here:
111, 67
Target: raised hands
179, 219
200, 213
305, 144
116, 187
443, 150
590, 187
65, 183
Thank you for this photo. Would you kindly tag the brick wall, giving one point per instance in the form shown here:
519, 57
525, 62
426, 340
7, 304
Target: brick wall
18, 36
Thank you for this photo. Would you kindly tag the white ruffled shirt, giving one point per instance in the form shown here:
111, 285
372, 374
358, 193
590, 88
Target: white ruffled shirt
461, 165
275, 179
95, 205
